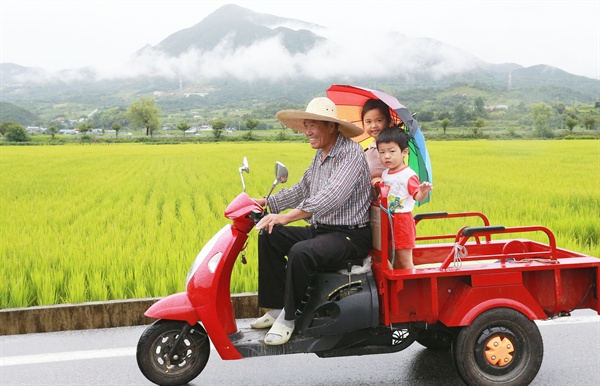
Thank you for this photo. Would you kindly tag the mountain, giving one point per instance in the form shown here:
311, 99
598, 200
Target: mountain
244, 27
12, 113
237, 57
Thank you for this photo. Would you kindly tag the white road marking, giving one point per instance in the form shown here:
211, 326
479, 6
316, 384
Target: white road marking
130, 351
67, 356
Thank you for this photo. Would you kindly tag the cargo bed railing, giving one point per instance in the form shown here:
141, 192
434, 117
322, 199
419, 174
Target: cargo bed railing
459, 252
445, 215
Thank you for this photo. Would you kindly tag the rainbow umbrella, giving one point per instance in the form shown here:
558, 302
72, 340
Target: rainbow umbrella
350, 100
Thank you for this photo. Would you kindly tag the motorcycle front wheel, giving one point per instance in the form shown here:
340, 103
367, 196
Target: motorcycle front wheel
171, 352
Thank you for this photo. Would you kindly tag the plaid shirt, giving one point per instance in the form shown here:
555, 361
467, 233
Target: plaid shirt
336, 191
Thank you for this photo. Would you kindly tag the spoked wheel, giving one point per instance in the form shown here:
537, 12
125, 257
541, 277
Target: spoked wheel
172, 352
501, 346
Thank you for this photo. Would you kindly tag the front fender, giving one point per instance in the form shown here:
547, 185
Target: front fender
174, 307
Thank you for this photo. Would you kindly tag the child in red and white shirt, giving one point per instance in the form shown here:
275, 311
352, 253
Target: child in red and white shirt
404, 190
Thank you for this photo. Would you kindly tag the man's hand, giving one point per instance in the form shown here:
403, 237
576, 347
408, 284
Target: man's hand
260, 201
270, 220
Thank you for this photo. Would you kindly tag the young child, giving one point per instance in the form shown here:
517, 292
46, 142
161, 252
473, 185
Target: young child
375, 116
405, 189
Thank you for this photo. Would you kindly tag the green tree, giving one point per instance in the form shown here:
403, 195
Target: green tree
444, 115
116, 126
541, 114
460, 114
281, 135
560, 108
445, 122
477, 125
4, 126
480, 107
85, 127
14, 132
589, 123
217, 125
144, 113
250, 124
105, 119
426, 116
183, 126
571, 123
53, 131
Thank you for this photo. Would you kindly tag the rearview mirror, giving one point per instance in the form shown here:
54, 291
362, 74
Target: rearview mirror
281, 176
281, 173
244, 168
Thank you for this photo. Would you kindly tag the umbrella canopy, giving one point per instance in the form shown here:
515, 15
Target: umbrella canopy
350, 100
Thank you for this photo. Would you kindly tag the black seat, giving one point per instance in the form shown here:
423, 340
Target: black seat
341, 265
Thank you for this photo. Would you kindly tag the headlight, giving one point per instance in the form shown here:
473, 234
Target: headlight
214, 261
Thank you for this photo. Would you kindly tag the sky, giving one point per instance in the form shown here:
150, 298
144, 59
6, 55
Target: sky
56, 35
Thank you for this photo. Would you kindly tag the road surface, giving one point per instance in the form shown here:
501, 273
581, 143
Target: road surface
107, 357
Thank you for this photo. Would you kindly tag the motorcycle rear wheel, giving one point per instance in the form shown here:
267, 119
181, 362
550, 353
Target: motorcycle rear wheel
189, 357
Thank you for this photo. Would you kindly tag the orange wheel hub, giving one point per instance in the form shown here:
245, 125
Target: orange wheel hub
499, 351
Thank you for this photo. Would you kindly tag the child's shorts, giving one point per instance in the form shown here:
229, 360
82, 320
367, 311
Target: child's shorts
404, 230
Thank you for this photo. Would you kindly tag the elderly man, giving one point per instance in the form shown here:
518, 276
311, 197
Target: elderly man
333, 196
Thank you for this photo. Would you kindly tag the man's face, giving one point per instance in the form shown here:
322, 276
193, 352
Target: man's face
320, 134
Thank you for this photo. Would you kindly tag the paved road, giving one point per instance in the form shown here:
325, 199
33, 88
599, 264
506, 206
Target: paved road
107, 357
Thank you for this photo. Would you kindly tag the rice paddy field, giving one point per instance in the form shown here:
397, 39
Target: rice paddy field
100, 222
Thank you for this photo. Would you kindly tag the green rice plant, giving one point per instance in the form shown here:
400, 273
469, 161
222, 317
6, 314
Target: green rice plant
20, 293
97, 288
77, 291
44, 287
83, 223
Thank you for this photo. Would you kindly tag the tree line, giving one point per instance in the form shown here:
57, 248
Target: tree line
146, 115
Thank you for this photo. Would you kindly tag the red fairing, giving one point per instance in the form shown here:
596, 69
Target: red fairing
239, 209
174, 307
203, 286
241, 206
209, 289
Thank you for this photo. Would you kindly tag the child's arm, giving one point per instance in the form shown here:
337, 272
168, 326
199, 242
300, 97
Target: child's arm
424, 190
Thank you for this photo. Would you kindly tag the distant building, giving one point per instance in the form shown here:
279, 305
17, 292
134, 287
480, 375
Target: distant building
202, 94
36, 129
496, 107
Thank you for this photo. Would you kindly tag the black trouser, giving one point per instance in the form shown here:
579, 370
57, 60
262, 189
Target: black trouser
307, 249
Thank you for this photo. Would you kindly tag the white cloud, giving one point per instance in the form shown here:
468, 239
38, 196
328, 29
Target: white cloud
342, 54
564, 34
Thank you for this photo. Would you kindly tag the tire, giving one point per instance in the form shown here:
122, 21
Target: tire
435, 339
508, 330
190, 359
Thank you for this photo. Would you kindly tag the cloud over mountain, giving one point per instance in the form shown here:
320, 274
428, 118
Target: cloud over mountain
249, 46
236, 42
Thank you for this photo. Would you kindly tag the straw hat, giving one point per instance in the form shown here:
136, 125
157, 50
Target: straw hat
319, 109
